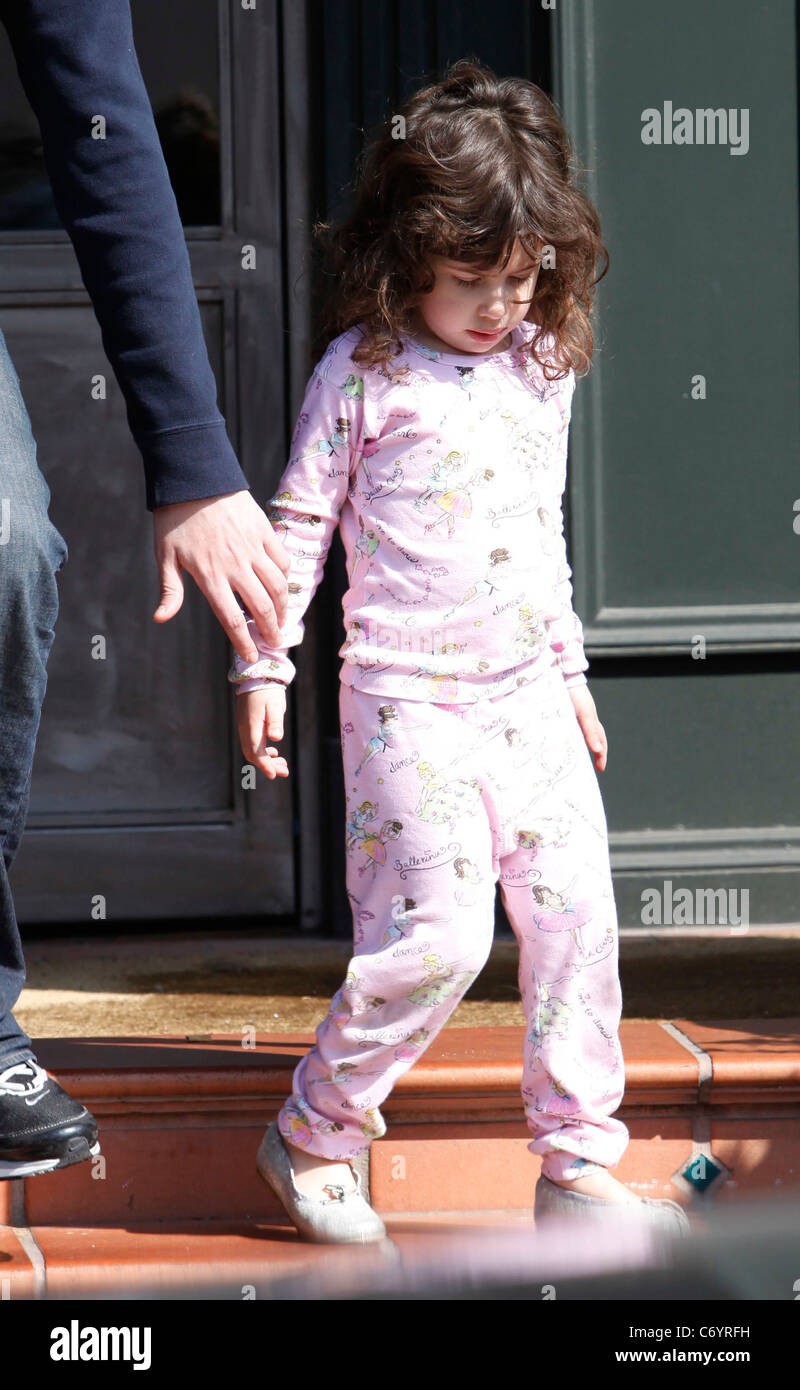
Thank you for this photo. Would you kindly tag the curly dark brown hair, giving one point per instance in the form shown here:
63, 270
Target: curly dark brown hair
469, 166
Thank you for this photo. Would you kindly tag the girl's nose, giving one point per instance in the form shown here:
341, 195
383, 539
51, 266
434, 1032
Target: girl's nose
494, 307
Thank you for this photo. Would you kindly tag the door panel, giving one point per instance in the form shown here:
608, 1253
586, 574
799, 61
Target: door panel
683, 507
137, 793
181, 67
683, 541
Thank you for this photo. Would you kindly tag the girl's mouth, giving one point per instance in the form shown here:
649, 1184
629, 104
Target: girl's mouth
486, 337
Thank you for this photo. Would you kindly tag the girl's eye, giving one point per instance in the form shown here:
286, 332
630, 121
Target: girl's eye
516, 279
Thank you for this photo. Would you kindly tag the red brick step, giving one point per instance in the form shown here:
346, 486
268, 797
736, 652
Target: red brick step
181, 1118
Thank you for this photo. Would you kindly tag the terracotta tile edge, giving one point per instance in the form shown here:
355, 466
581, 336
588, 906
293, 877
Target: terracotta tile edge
692, 1068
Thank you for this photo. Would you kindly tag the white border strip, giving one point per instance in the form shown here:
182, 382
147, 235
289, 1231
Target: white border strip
704, 1060
26, 1237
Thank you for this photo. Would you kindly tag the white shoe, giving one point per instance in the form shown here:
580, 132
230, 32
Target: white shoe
552, 1200
344, 1218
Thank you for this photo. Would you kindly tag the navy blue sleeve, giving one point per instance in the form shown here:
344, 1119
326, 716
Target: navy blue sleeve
76, 60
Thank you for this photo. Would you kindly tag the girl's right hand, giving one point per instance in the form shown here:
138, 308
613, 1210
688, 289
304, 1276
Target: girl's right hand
259, 715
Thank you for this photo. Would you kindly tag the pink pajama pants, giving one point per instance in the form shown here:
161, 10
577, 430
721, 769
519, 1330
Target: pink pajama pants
442, 801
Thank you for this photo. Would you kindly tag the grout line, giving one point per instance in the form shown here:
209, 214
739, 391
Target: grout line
702, 1148
704, 1061
26, 1238
29, 1244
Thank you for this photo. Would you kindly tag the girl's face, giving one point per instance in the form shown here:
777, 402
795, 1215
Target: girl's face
472, 311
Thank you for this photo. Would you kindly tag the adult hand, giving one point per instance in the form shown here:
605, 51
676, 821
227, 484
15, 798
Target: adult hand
227, 544
593, 731
259, 716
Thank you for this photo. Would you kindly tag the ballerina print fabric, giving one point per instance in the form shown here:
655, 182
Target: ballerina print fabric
442, 801
445, 476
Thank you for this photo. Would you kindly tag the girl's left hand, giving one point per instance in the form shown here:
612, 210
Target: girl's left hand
593, 731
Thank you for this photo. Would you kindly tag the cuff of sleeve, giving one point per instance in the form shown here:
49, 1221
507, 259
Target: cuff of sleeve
185, 465
244, 687
269, 670
577, 679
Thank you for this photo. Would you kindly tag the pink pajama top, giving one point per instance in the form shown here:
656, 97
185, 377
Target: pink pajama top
446, 484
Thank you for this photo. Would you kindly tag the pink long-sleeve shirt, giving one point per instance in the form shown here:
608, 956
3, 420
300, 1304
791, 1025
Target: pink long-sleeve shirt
447, 487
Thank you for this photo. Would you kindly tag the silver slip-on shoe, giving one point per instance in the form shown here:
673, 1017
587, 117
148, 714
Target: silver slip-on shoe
345, 1217
554, 1201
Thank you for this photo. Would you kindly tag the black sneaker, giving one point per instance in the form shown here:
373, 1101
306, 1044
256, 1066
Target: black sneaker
41, 1127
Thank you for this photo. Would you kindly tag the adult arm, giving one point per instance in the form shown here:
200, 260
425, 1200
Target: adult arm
77, 61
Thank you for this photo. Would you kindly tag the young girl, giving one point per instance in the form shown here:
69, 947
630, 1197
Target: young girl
434, 432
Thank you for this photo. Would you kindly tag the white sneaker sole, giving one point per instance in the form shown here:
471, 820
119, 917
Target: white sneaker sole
32, 1167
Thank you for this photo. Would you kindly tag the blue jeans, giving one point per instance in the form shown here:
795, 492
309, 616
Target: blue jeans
32, 550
